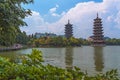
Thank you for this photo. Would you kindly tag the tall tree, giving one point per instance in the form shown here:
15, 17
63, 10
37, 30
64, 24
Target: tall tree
11, 18
22, 38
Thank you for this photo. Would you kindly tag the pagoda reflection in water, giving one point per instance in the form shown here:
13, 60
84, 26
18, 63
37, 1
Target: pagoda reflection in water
69, 57
98, 58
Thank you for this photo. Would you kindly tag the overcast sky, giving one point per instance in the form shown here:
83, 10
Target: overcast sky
52, 15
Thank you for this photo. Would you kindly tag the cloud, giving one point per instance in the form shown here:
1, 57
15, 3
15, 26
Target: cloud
35, 23
53, 11
81, 16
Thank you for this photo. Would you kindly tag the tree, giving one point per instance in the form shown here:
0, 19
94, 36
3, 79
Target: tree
7, 36
113, 41
11, 18
22, 38
74, 41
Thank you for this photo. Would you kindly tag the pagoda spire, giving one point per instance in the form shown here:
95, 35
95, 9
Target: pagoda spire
97, 14
68, 21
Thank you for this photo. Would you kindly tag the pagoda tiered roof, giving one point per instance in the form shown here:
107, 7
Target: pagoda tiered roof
68, 30
98, 37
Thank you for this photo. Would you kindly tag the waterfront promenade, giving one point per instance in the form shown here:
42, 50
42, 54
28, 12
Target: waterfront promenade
14, 47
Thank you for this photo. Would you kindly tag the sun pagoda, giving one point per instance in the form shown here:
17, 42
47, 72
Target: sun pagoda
68, 30
98, 37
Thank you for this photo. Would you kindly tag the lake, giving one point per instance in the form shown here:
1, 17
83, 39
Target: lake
91, 59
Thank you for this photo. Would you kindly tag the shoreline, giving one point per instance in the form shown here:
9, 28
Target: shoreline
18, 48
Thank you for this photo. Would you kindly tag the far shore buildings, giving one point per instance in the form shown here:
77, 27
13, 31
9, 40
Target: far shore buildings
98, 37
68, 30
47, 35
39, 35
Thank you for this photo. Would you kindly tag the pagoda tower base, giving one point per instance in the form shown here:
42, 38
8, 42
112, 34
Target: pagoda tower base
99, 45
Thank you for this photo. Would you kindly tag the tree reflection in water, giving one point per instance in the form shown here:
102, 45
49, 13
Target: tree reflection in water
98, 58
69, 57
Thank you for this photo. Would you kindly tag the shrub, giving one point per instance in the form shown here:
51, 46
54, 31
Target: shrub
31, 68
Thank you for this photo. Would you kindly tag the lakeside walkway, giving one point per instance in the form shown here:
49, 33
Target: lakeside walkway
14, 47
9, 48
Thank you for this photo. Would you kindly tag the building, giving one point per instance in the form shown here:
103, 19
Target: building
68, 30
98, 37
90, 38
39, 35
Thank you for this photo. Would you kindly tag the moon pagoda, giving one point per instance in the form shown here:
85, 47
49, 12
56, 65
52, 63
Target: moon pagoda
68, 30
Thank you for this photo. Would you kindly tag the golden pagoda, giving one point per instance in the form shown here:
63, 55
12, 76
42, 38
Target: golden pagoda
98, 37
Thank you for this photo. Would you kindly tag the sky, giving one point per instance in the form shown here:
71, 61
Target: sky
52, 15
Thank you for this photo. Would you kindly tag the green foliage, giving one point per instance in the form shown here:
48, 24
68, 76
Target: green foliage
7, 36
34, 58
31, 68
22, 38
11, 17
57, 42
12, 12
113, 41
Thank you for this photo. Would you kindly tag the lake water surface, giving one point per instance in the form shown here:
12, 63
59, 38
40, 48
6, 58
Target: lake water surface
92, 59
